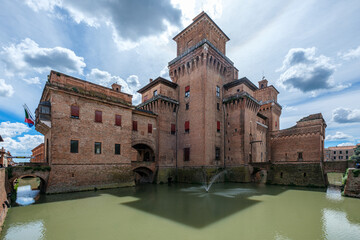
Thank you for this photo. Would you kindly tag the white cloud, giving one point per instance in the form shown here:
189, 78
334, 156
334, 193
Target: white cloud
10, 130
338, 136
6, 90
131, 21
289, 108
346, 144
130, 85
34, 80
27, 57
305, 71
351, 54
23, 145
346, 115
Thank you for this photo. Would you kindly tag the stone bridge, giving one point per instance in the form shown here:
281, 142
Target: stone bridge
337, 166
41, 171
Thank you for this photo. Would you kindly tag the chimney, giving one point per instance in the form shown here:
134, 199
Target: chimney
150, 79
116, 87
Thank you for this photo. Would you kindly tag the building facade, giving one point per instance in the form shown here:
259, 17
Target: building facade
205, 117
340, 153
38, 154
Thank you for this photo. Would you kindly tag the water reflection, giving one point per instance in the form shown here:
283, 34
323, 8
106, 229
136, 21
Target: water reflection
29, 231
337, 226
333, 193
25, 195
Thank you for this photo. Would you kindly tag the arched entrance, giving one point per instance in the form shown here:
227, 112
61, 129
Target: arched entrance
143, 175
144, 153
36, 182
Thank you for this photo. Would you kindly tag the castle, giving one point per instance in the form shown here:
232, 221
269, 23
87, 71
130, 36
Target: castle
204, 118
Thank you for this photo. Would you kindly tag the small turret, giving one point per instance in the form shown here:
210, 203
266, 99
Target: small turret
263, 83
116, 87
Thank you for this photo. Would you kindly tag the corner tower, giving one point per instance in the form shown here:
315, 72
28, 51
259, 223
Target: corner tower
200, 70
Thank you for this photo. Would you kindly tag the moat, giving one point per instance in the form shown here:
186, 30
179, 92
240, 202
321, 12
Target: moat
184, 211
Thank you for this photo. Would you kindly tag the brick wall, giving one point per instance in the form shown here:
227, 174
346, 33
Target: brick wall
3, 197
352, 187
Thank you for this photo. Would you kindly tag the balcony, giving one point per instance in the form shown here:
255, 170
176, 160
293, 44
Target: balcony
43, 117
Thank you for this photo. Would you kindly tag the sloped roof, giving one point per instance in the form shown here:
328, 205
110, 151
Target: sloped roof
157, 81
312, 117
243, 80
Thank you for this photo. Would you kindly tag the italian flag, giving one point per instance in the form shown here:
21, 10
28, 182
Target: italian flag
28, 119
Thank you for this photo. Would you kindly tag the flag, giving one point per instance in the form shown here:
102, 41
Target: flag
28, 118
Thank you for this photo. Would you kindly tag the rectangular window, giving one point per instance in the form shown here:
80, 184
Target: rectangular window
218, 126
334, 152
347, 152
218, 106
187, 126
173, 129
74, 146
135, 126
187, 106
340, 152
334, 157
217, 153
155, 93
97, 147
98, 116
186, 154
74, 111
117, 149
118, 120
217, 91
300, 156
150, 128
187, 91
347, 157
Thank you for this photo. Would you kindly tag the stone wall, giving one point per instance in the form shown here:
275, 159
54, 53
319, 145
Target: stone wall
68, 178
3, 197
338, 166
298, 174
352, 186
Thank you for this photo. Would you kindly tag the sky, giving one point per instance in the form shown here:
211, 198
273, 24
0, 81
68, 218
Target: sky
309, 50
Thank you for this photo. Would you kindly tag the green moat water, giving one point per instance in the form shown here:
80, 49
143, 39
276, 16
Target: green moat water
182, 211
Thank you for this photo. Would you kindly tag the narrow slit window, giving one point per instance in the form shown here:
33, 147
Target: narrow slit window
74, 146
173, 129
186, 154
97, 147
135, 126
187, 126
117, 149
150, 128
98, 116
187, 91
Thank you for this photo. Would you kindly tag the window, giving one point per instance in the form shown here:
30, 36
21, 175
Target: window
217, 153
187, 126
217, 91
44, 109
347, 151
340, 152
74, 111
218, 126
186, 154
334, 157
187, 106
155, 93
173, 129
275, 123
135, 126
218, 106
97, 147
334, 152
150, 128
98, 116
187, 91
300, 156
74, 146
118, 120
347, 157
117, 149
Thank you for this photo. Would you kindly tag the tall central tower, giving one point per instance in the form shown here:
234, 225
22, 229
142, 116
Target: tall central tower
200, 70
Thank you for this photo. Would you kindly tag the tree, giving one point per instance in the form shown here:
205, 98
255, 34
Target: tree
356, 156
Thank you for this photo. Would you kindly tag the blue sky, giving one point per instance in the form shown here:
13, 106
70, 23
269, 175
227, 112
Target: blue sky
309, 50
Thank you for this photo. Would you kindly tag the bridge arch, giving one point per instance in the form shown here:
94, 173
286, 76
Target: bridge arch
143, 175
42, 184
